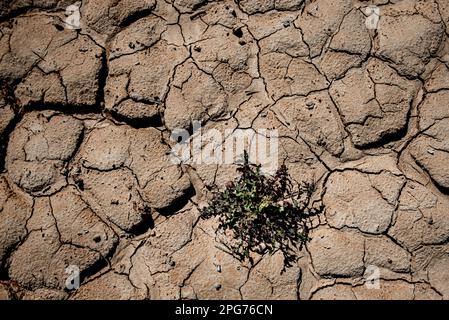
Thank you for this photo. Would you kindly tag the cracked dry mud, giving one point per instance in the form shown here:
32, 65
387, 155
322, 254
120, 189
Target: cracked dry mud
85, 123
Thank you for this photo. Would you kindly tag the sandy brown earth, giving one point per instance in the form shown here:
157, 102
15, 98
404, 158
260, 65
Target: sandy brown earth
85, 122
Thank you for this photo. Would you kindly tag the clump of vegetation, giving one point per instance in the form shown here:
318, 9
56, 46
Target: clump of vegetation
263, 213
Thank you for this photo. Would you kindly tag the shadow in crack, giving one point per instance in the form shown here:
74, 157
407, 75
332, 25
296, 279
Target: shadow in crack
66, 109
4, 145
3, 274
102, 78
8, 96
443, 190
145, 122
101, 264
179, 203
146, 224
135, 17
386, 139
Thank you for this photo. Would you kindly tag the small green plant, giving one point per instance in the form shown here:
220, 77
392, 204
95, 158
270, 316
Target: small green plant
263, 213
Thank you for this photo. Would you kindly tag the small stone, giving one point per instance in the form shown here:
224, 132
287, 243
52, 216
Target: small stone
310, 105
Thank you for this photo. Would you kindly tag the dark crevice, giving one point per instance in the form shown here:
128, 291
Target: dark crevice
198, 5
385, 139
59, 27
135, 16
100, 264
138, 123
66, 109
179, 203
14, 13
189, 128
102, 77
146, 224
4, 274
7, 14
7, 93
237, 32
442, 189
4, 139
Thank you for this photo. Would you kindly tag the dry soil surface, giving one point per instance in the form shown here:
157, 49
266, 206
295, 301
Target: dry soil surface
86, 116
